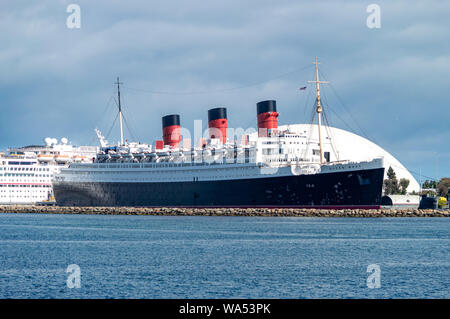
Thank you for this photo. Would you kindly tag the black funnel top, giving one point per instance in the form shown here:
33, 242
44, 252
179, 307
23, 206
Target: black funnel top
266, 106
217, 113
169, 120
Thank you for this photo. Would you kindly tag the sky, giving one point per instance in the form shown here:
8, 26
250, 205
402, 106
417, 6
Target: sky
389, 84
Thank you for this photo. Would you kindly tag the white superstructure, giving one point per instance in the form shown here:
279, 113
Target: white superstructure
26, 173
24, 181
284, 153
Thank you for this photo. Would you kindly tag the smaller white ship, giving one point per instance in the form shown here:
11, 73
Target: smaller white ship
26, 172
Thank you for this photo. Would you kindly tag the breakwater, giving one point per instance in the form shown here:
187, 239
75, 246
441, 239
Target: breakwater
259, 212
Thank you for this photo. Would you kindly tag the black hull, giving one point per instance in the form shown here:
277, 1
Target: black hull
344, 189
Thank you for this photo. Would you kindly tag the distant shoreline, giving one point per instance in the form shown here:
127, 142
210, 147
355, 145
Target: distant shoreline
255, 212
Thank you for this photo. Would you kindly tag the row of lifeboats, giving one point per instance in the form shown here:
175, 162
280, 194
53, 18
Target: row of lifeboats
165, 155
61, 159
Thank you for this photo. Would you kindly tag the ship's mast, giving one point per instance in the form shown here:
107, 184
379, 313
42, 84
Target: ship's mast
318, 107
120, 110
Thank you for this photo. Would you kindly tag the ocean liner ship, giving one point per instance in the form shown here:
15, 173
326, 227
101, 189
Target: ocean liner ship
274, 167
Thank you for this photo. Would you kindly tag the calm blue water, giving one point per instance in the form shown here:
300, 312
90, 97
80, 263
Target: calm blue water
222, 257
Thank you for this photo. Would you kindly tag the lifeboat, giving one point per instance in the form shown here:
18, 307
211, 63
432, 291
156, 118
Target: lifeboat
62, 158
79, 158
138, 155
127, 157
45, 158
150, 157
103, 157
115, 156
163, 154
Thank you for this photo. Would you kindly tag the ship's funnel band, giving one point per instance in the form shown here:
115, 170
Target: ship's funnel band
218, 123
217, 113
169, 120
171, 130
266, 106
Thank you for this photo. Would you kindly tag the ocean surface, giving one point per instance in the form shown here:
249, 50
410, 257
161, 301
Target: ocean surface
223, 257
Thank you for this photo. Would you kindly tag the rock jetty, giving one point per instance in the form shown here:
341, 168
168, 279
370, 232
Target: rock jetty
258, 212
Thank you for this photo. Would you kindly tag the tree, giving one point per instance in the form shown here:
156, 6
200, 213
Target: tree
429, 184
391, 186
391, 174
443, 185
404, 183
